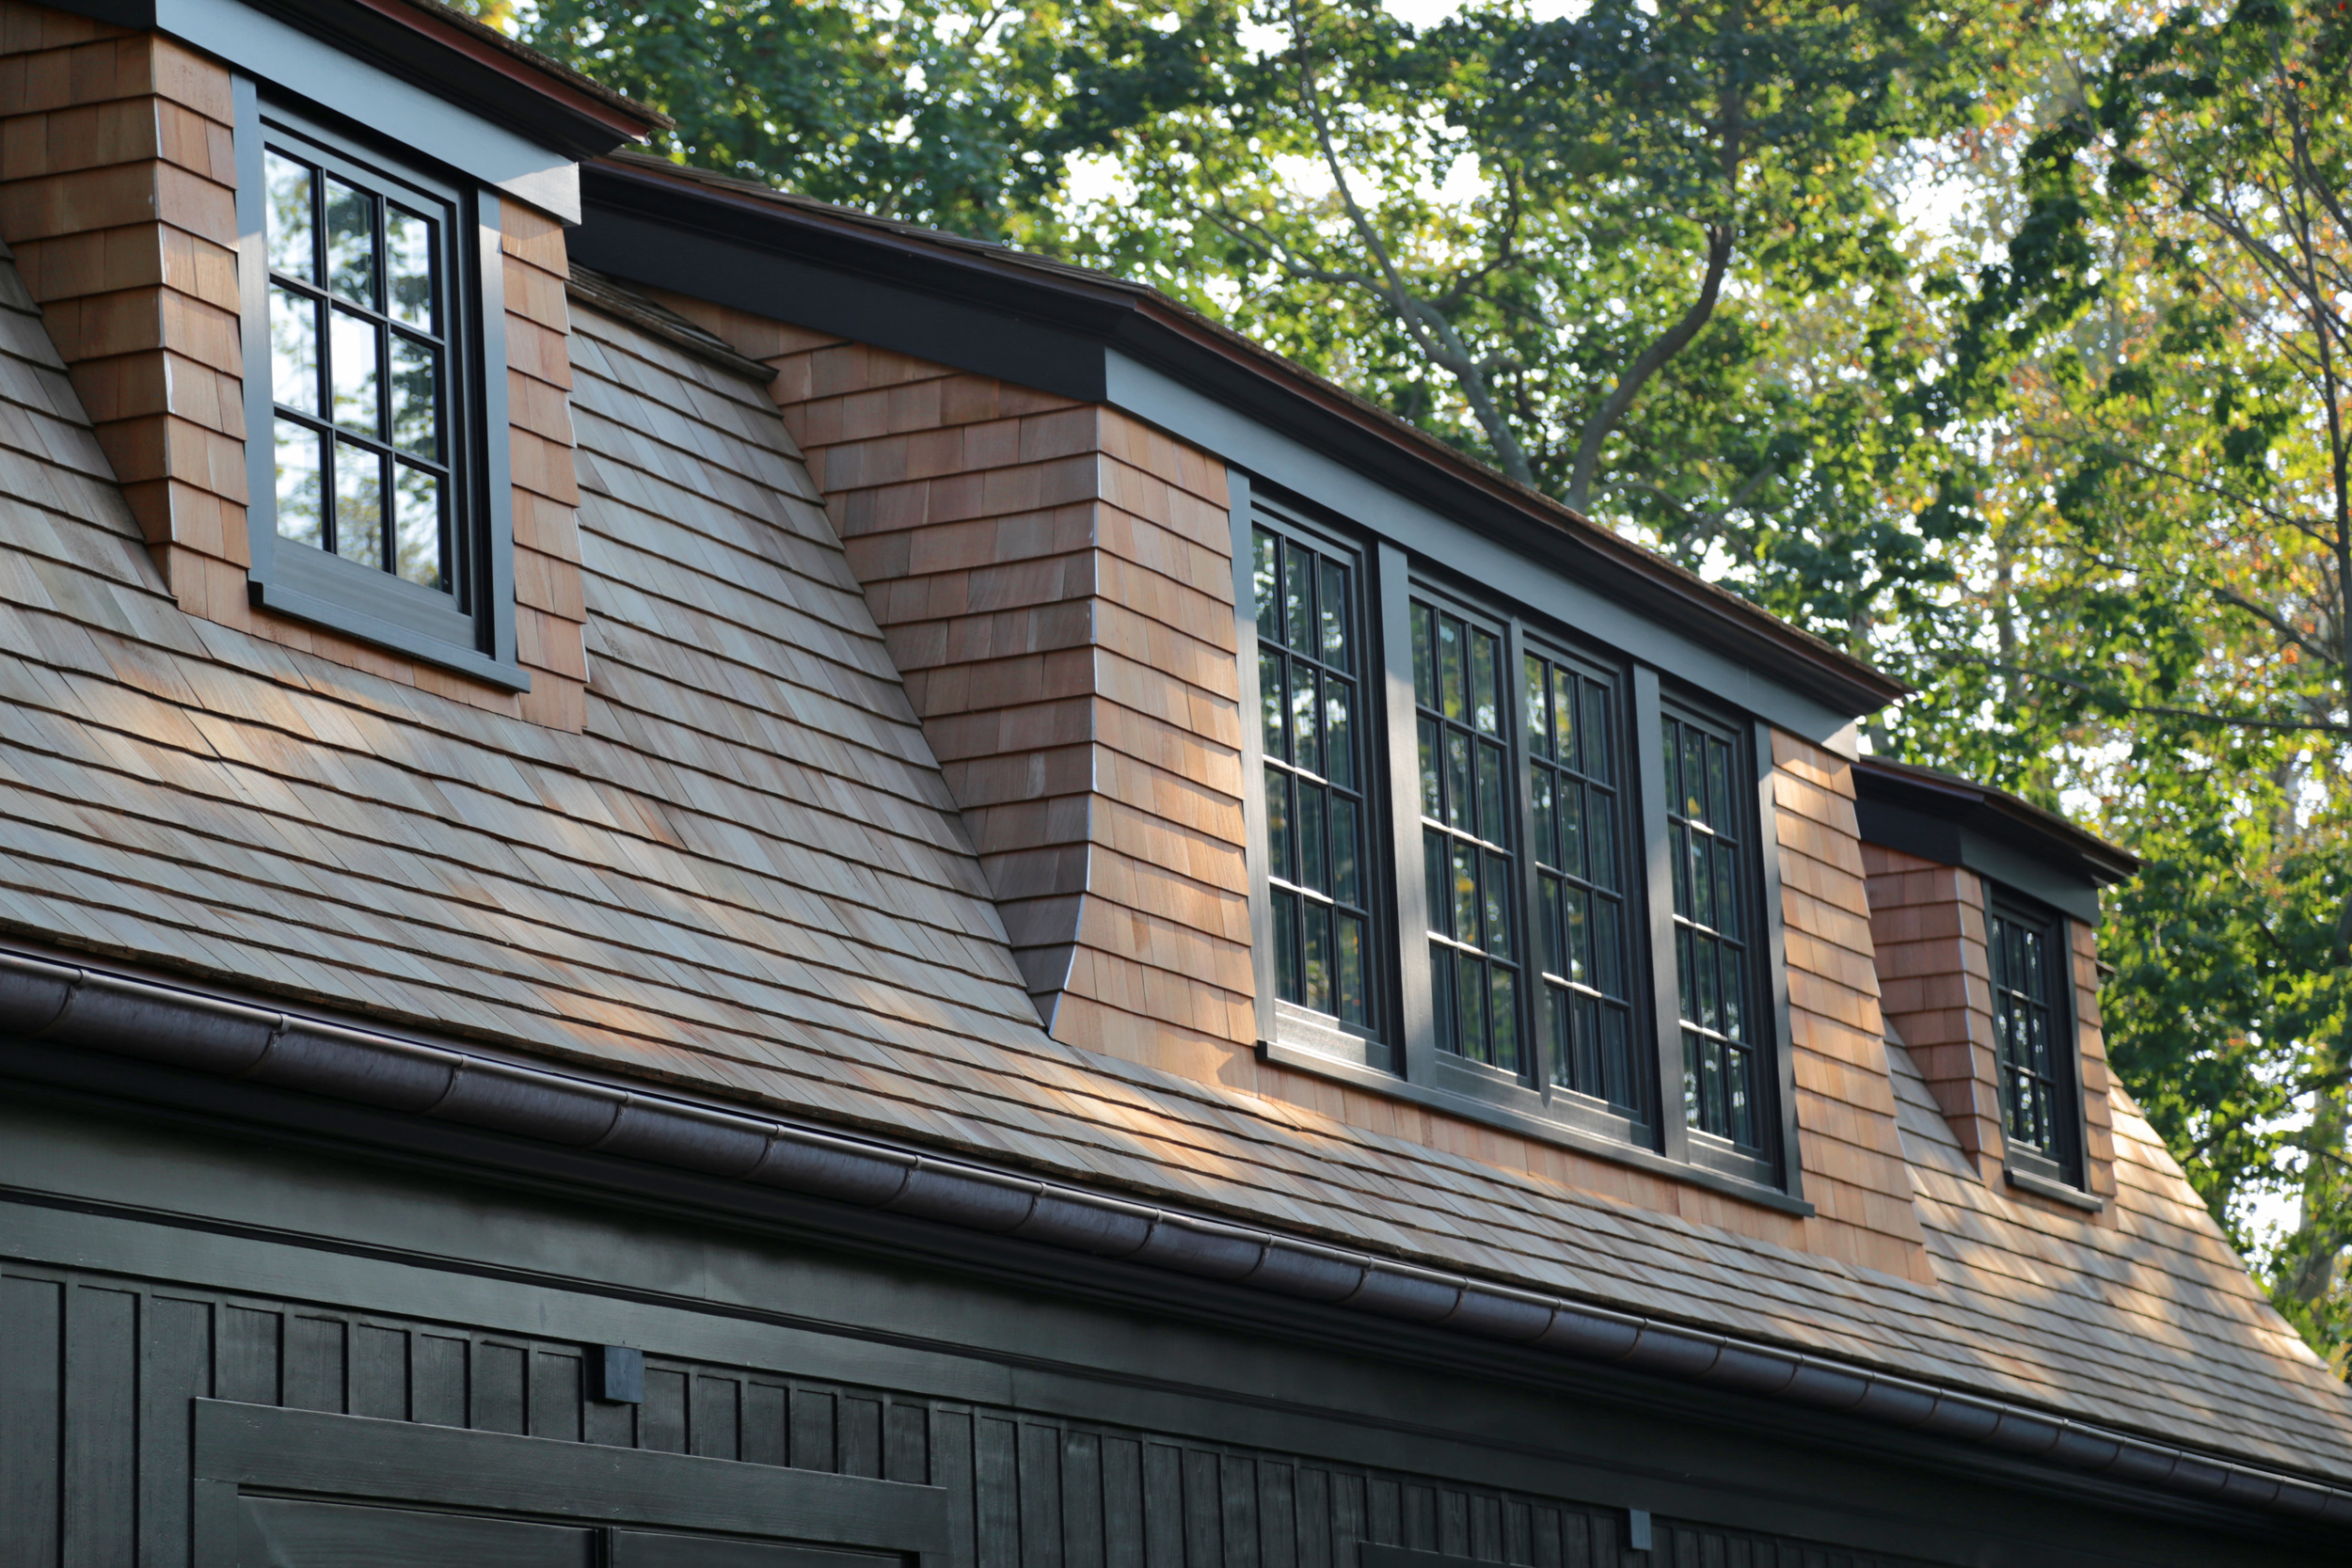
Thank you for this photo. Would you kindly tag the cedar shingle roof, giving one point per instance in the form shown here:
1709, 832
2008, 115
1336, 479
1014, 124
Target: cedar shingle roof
747, 878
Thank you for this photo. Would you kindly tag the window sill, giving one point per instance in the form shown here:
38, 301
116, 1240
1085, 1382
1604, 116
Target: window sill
2055, 1191
1545, 1131
329, 593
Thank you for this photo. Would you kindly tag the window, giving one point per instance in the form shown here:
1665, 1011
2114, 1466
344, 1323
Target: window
372, 477
1708, 859
1316, 775
1467, 800
1503, 872
2029, 1034
1577, 811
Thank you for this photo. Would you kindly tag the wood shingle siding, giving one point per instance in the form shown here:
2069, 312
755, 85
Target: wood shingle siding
1055, 582
746, 876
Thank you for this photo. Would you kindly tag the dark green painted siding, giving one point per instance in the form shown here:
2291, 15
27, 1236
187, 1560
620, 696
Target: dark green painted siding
98, 1370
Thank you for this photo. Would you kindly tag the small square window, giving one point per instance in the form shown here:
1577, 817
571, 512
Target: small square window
376, 429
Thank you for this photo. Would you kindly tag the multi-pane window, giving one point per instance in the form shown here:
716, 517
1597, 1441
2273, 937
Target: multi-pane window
1468, 805
1312, 731
360, 323
1708, 853
2025, 1032
1578, 815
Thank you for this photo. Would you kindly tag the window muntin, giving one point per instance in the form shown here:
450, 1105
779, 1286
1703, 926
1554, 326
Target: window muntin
2036, 1087
358, 317
1468, 805
1577, 809
1710, 858
1314, 731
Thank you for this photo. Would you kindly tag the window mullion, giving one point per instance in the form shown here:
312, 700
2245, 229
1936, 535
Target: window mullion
1657, 883
1417, 1022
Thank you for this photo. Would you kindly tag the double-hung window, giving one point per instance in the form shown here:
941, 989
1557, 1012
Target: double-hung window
1503, 870
377, 504
2032, 1035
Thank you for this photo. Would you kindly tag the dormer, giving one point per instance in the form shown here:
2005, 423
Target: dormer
1984, 911
362, 204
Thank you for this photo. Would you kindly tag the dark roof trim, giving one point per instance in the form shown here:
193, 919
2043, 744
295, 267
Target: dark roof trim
2009, 821
1045, 324
450, 54
100, 1010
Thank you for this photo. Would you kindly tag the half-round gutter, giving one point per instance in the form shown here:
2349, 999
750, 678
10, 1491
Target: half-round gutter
115, 1013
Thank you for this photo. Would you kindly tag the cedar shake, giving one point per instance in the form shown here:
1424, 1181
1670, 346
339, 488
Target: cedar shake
1929, 922
118, 195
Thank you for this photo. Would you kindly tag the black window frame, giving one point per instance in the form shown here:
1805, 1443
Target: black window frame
1402, 1054
2004, 908
471, 627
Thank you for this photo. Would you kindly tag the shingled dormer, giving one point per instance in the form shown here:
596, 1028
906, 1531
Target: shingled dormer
305, 267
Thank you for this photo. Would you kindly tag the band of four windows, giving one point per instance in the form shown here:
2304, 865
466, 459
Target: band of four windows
1530, 846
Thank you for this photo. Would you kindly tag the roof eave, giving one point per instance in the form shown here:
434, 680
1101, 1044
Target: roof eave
1157, 331
1998, 815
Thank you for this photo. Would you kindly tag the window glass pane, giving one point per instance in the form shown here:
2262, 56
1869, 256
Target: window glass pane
1339, 737
1263, 587
301, 515
359, 505
1486, 682
1493, 787
1503, 1018
1458, 780
1353, 1002
1424, 657
1498, 891
288, 198
1332, 610
1316, 934
1595, 732
1546, 847
1298, 597
1564, 719
355, 357
1346, 880
351, 243
1281, 858
1436, 879
1608, 973
1287, 983
1450, 678
1538, 711
409, 258
1576, 931
416, 397
293, 349
1304, 730
1469, 996
417, 531
1694, 775
1312, 870
1442, 1006
1464, 862
1430, 805
1718, 784
1600, 822
1270, 705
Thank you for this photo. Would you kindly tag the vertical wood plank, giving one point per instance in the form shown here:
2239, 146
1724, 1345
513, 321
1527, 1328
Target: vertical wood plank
1314, 1517
1384, 1512
1237, 1509
764, 1440
1205, 1537
612, 1425
1038, 1461
1163, 1506
715, 1421
246, 1361
1082, 1500
861, 1436
996, 1498
951, 1466
661, 1420
1419, 1517
907, 1444
177, 1368
102, 1425
1122, 1503
379, 1371
812, 1431
1278, 1515
1351, 1517
32, 1419
498, 1387
315, 1355
557, 1395
441, 1373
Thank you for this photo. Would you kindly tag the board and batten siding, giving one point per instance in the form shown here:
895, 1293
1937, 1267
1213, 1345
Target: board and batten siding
94, 1446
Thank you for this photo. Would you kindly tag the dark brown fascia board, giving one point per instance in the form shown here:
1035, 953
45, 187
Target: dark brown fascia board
454, 56
1997, 814
83, 1007
1245, 376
